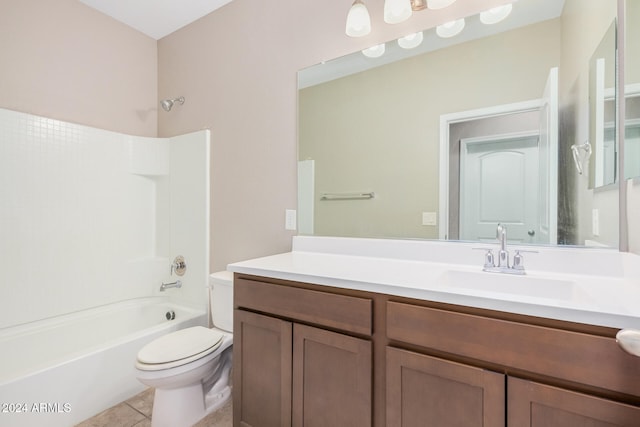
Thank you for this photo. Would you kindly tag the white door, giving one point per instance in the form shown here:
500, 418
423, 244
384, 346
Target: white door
499, 184
548, 163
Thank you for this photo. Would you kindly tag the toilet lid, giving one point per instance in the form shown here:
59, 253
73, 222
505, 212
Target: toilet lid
180, 345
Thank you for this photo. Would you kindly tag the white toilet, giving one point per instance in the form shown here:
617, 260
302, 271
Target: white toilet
190, 368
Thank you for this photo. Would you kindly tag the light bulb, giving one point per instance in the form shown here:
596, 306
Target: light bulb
495, 15
450, 29
358, 20
374, 51
410, 41
396, 11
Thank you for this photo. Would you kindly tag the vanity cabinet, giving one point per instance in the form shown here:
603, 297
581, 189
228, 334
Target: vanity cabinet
302, 357
312, 355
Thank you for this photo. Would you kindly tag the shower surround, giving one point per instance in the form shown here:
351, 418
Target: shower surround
90, 218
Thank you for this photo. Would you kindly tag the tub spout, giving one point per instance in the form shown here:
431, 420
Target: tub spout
165, 286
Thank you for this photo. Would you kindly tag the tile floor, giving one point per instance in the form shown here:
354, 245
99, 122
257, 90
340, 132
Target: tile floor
136, 412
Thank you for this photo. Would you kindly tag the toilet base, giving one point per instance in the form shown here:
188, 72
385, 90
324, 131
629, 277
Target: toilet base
185, 406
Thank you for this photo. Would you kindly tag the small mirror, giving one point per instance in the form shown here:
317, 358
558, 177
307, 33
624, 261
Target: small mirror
602, 114
632, 90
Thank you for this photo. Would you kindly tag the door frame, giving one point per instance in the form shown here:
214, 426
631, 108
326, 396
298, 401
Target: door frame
446, 120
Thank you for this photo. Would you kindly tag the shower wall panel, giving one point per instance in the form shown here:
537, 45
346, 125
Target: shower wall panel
83, 217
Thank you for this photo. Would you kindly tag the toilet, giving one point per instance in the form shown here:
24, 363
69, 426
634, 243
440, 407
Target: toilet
190, 369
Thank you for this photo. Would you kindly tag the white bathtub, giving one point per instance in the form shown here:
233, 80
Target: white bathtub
60, 371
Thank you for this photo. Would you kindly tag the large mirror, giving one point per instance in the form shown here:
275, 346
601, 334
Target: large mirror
445, 140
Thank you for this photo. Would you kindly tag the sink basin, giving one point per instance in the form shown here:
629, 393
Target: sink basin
527, 286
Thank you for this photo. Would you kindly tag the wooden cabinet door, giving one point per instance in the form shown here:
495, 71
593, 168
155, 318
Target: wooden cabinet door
532, 404
332, 376
261, 370
428, 391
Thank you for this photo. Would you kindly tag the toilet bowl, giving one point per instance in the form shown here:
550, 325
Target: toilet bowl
190, 368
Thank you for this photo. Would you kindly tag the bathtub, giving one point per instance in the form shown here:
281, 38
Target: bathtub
63, 370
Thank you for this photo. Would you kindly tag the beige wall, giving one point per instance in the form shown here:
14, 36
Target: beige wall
63, 60
379, 130
237, 69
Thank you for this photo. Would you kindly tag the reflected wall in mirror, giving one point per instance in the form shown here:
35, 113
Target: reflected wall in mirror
379, 130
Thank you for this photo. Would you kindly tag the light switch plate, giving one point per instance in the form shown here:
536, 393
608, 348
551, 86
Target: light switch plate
429, 218
290, 222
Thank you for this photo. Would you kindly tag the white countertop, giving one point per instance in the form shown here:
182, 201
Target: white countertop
610, 299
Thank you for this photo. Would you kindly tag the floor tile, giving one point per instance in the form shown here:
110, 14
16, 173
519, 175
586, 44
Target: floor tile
132, 414
143, 402
121, 415
144, 423
223, 417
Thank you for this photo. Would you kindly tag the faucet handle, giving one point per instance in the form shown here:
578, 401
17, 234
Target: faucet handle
518, 261
489, 260
179, 266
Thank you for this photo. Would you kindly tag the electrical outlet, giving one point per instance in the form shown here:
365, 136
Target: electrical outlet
290, 220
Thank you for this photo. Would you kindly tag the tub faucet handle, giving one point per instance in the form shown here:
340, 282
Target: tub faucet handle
179, 266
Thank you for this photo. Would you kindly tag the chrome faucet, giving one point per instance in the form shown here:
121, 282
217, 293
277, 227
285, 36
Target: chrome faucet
503, 256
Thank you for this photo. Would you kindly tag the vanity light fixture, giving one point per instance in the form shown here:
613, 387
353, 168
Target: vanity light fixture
419, 4
450, 29
358, 20
410, 41
374, 51
396, 11
439, 4
496, 14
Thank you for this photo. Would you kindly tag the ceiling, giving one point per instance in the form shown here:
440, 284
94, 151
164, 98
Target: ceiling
156, 18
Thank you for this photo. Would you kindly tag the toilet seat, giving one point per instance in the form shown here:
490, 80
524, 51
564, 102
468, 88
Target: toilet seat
178, 348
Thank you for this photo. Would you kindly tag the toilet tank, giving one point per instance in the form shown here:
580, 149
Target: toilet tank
221, 300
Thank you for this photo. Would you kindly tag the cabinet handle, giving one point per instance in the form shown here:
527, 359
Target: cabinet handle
629, 340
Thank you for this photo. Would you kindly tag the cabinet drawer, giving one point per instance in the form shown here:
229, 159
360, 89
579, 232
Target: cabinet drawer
578, 357
346, 313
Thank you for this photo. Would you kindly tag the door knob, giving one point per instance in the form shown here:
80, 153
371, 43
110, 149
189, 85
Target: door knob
531, 233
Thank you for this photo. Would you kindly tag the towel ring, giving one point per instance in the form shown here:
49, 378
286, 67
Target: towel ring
578, 159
